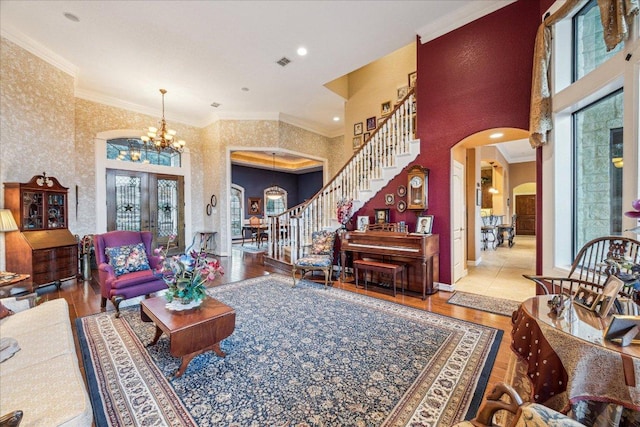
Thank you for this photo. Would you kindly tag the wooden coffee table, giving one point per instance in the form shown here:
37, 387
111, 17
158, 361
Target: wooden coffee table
191, 332
9, 281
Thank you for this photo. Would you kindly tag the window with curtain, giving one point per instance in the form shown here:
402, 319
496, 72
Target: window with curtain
237, 212
275, 206
589, 50
597, 170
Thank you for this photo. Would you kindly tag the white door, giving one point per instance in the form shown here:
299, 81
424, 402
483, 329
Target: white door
458, 209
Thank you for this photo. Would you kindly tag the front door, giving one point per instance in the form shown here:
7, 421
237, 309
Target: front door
141, 201
526, 214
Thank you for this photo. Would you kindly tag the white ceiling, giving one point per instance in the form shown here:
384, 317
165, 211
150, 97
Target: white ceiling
123, 52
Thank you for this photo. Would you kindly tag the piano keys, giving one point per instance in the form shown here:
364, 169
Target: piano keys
420, 252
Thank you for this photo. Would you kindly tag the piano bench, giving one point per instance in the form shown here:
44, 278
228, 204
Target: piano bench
380, 267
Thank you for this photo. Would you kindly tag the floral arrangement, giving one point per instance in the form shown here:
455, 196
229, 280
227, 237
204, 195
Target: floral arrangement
635, 213
186, 275
345, 206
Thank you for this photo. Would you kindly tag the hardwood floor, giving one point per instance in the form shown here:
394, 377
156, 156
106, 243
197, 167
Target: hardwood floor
84, 299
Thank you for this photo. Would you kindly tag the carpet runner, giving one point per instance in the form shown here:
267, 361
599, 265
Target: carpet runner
298, 356
504, 307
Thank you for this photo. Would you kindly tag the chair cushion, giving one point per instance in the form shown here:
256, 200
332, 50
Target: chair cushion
322, 243
134, 278
539, 415
314, 261
128, 258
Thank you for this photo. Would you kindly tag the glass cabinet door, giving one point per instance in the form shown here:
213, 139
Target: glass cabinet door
32, 210
56, 211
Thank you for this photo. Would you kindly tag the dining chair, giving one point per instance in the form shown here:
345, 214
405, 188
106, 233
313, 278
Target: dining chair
258, 234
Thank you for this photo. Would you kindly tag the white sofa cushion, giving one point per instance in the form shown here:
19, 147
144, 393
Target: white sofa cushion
51, 393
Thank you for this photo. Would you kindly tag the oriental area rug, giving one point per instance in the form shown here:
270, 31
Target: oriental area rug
298, 356
504, 307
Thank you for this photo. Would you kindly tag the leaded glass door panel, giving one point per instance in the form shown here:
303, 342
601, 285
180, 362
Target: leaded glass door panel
139, 201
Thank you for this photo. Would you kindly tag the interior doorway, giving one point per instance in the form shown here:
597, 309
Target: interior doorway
509, 161
142, 201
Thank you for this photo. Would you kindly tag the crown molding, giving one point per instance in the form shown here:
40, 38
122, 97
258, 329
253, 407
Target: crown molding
469, 13
101, 98
35, 48
310, 126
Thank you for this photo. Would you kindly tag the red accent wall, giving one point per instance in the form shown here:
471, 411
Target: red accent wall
472, 79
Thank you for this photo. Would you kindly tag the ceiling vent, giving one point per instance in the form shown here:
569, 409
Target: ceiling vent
215, 104
283, 61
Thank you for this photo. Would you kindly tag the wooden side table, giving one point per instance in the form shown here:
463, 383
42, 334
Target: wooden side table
15, 284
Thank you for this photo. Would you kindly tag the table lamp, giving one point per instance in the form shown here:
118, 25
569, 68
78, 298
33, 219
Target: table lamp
7, 223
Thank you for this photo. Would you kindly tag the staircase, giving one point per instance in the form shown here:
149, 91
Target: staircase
384, 155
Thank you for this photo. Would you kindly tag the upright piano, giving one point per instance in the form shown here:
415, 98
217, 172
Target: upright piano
419, 252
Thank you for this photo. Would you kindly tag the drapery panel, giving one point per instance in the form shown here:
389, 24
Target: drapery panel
617, 16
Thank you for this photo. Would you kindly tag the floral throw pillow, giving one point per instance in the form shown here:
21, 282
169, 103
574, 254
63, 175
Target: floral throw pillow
127, 259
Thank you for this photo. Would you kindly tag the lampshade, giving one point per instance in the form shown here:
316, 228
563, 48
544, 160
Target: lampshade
7, 223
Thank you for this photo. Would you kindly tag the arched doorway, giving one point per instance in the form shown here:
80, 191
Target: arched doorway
493, 162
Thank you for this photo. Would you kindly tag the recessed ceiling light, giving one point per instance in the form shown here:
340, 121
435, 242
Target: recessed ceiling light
245, 89
496, 135
71, 17
336, 119
302, 51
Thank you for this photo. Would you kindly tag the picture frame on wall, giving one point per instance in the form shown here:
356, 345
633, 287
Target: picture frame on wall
389, 199
402, 92
425, 224
367, 135
363, 222
382, 216
371, 123
413, 77
254, 206
357, 129
402, 206
385, 108
357, 142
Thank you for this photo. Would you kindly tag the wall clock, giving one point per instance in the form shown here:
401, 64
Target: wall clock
418, 191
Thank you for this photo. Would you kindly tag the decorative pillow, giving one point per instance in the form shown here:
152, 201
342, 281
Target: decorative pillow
8, 347
127, 259
4, 311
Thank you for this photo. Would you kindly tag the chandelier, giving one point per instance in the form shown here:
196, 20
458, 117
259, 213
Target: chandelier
163, 138
274, 192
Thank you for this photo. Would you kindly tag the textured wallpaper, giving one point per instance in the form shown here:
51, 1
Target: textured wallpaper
45, 128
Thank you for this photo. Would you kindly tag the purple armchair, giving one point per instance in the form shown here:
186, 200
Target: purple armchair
126, 266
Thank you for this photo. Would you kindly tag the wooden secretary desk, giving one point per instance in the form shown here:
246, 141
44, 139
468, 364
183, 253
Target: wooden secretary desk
43, 247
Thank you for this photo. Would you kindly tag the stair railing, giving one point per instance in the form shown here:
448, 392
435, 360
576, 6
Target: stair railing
290, 232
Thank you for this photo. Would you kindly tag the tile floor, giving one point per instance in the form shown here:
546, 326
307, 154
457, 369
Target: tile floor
499, 274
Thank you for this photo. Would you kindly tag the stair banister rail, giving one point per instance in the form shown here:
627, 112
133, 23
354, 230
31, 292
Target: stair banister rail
290, 231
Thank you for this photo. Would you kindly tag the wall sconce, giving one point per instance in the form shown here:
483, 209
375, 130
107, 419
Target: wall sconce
617, 162
493, 190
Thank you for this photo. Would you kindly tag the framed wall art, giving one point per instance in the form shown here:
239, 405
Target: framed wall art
413, 77
389, 199
402, 92
367, 135
371, 123
357, 129
385, 108
254, 206
402, 206
402, 190
357, 142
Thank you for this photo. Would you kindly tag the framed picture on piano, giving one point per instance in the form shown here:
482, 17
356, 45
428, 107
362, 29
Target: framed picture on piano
425, 224
382, 216
363, 223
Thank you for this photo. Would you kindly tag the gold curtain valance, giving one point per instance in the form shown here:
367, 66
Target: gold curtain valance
616, 21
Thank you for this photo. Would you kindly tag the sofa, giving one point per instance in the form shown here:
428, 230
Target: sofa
43, 378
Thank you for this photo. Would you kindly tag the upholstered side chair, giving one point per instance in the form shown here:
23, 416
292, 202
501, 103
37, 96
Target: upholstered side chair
126, 266
320, 257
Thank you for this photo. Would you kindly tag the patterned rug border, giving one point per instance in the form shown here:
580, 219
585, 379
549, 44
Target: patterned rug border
503, 306
466, 406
